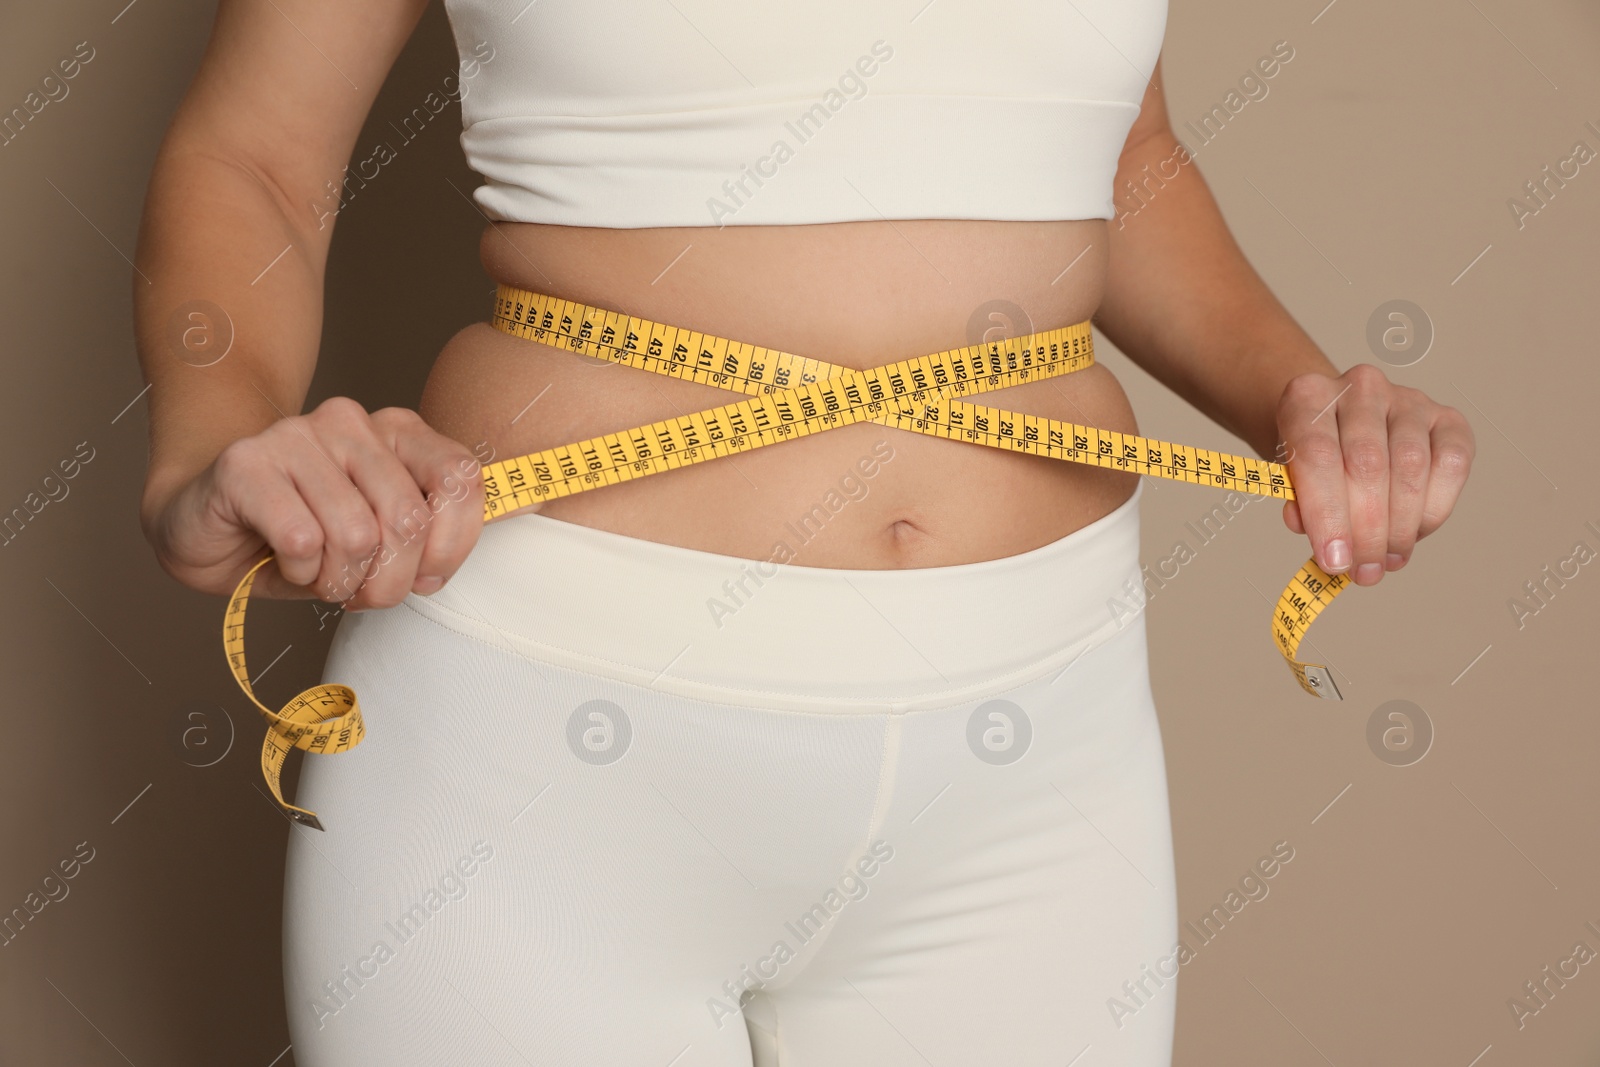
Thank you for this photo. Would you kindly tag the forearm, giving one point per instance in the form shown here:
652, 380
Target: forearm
1183, 302
210, 230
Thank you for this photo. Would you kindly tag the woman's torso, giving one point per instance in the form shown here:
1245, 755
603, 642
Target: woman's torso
859, 294
732, 167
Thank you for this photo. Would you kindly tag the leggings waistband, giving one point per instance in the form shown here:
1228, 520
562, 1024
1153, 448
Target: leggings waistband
744, 631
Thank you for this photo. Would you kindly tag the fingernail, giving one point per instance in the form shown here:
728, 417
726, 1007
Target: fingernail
1338, 556
425, 586
1394, 561
1368, 572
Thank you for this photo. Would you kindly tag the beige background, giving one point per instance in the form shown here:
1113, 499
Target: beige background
1420, 897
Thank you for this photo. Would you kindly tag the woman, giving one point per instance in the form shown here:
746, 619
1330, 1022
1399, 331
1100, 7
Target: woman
828, 753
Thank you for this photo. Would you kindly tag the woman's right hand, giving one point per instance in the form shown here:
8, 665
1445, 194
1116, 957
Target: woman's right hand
358, 509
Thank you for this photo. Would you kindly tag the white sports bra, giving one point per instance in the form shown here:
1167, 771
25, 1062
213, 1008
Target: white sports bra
743, 112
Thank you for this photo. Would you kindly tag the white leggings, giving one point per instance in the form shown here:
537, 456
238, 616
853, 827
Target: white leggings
847, 818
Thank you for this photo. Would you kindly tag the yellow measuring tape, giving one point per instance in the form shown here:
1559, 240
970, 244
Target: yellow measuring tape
792, 396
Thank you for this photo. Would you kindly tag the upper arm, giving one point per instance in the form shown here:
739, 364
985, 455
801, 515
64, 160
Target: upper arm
285, 86
1152, 120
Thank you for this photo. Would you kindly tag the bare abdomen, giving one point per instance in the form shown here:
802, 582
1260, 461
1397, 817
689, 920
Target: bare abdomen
855, 294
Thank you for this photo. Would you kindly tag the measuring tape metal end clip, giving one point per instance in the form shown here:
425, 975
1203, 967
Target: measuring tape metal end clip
790, 397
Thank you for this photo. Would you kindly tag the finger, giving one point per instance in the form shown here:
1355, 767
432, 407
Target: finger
403, 518
1410, 453
1308, 421
451, 478
1364, 438
351, 537
1452, 450
255, 494
1291, 511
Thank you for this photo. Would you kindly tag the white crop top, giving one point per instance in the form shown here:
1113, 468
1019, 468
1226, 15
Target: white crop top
626, 113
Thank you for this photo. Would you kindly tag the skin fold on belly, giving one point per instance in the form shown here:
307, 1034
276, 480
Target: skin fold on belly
856, 294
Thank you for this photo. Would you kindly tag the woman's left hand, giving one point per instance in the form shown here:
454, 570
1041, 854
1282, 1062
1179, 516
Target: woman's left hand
1375, 466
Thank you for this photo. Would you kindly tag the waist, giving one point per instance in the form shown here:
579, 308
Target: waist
733, 629
854, 294
862, 292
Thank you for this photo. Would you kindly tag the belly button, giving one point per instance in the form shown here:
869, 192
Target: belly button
904, 530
